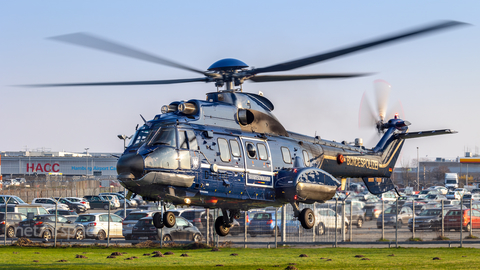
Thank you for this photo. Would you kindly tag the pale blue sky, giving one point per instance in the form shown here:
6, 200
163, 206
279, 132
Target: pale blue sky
434, 76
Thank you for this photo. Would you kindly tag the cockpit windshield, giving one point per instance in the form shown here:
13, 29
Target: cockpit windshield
166, 136
142, 135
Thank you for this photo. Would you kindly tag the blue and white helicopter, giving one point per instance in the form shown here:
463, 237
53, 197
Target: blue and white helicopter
230, 152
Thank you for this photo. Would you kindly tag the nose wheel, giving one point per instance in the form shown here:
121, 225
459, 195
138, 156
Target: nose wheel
225, 222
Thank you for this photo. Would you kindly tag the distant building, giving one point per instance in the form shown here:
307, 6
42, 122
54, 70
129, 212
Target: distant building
39, 163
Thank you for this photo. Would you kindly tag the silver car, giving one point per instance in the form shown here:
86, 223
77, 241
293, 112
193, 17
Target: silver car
96, 225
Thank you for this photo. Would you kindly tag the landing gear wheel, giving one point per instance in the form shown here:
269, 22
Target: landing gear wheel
307, 218
220, 227
10, 232
169, 219
320, 229
157, 220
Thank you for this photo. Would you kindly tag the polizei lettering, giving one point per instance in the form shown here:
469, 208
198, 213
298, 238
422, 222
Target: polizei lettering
362, 163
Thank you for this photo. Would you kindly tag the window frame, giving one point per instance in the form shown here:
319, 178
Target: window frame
258, 150
238, 147
227, 149
283, 154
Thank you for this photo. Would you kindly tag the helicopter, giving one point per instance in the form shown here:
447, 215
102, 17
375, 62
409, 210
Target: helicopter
230, 152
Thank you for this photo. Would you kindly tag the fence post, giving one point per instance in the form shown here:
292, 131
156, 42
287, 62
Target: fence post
383, 219
461, 221
443, 222
351, 221
471, 223
343, 221
413, 220
336, 220
396, 223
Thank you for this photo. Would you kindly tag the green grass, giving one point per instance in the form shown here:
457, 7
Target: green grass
341, 258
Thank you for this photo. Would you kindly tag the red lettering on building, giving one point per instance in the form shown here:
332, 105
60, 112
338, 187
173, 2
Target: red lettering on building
47, 167
57, 169
39, 168
30, 166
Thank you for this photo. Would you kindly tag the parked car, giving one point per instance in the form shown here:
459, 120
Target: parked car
182, 231
112, 198
26, 209
99, 202
325, 220
43, 226
453, 219
10, 224
121, 212
131, 220
75, 206
389, 216
476, 190
468, 197
11, 199
96, 225
79, 200
373, 210
435, 197
462, 191
453, 195
193, 215
121, 198
429, 219
264, 222
49, 203
388, 196
422, 194
69, 214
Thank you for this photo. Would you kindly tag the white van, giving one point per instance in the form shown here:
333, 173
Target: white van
35, 209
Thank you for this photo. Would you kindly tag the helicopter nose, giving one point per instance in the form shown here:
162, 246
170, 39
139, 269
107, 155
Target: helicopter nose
130, 163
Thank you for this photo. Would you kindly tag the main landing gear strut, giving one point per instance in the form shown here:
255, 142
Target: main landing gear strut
224, 223
168, 219
306, 216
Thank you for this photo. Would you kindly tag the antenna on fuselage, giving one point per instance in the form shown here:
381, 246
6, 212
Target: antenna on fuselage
144, 121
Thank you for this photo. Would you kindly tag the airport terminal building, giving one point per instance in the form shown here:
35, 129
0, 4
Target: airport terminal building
27, 164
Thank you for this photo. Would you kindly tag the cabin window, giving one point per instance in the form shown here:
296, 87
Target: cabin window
182, 140
306, 159
287, 158
262, 151
166, 136
224, 150
251, 150
192, 140
235, 148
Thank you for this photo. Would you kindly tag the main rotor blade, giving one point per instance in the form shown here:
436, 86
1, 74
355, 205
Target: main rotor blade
206, 79
329, 55
90, 41
275, 78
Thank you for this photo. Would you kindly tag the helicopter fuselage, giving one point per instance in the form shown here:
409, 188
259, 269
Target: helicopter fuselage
212, 156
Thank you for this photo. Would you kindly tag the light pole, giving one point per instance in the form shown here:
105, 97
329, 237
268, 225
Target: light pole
124, 138
86, 168
418, 171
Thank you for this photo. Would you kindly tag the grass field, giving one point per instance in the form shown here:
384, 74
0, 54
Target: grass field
12, 257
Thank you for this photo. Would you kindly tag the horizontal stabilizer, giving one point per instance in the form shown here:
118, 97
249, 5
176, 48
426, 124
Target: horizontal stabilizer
418, 134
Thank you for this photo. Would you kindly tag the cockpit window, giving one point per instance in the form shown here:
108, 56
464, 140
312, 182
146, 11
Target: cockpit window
143, 134
166, 136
